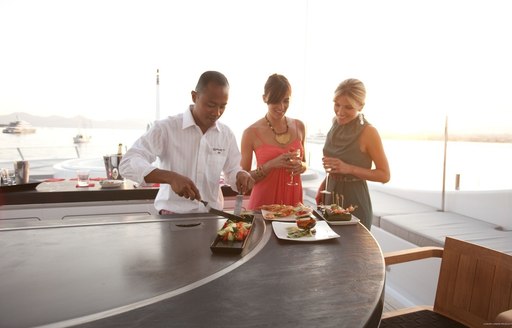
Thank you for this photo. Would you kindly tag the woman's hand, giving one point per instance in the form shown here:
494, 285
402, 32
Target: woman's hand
336, 165
283, 160
298, 167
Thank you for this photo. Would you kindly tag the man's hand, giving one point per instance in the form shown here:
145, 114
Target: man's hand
184, 187
244, 182
181, 185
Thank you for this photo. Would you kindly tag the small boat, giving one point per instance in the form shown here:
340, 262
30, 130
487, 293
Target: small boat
81, 138
19, 127
318, 138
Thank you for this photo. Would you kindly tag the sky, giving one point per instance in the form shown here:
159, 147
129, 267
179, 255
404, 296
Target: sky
419, 60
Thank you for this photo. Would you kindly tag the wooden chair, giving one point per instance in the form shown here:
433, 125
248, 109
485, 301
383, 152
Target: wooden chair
474, 288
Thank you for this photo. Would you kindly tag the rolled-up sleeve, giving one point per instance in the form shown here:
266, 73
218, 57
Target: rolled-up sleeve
137, 162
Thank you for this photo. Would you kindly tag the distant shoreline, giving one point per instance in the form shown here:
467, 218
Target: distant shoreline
493, 138
85, 123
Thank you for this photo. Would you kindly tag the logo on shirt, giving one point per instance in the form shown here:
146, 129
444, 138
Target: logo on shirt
219, 150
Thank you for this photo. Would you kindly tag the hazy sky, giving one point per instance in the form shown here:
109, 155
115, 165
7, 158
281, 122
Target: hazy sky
419, 60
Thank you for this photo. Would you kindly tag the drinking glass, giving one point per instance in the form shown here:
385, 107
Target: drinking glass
4, 177
296, 157
325, 191
7, 177
83, 178
11, 176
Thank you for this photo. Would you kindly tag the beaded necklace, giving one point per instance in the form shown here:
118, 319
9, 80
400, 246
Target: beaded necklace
281, 138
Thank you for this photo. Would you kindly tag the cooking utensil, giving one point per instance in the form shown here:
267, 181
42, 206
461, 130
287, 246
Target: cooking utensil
238, 204
222, 213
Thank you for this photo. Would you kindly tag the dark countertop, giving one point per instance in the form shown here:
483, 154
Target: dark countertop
154, 273
67, 192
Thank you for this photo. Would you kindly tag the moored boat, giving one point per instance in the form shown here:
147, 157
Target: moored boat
318, 138
81, 138
19, 127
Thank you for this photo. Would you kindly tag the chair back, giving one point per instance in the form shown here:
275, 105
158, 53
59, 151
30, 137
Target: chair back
475, 283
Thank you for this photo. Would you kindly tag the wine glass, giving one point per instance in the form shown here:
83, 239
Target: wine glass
326, 191
295, 157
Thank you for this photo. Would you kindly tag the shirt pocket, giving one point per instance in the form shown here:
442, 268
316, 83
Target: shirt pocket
215, 164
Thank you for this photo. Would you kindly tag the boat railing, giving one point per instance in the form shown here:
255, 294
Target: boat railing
26, 153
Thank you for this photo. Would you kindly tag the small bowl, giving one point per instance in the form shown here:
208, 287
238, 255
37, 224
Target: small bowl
306, 223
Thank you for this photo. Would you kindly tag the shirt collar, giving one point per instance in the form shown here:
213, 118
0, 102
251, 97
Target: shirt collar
188, 119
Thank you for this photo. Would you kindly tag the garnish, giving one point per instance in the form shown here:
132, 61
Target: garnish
295, 232
234, 231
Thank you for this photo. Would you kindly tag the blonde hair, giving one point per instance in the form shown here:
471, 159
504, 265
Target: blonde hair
354, 90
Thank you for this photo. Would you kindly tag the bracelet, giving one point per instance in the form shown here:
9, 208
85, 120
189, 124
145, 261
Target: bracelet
260, 173
304, 166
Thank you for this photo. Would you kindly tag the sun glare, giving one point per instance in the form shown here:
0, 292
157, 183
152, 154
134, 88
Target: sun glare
420, 61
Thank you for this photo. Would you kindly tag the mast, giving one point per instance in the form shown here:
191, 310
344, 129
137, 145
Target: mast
157, 115
443, 192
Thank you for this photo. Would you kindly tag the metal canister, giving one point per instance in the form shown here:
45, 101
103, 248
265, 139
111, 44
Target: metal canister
21, 172
112, 166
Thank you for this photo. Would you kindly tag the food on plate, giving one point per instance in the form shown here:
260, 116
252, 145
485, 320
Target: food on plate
234, 231
302, 211
335, 212
306, 223
111, 183
295, 232
276, 211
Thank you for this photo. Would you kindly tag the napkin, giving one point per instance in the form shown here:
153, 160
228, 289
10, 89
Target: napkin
90, 185
54, 180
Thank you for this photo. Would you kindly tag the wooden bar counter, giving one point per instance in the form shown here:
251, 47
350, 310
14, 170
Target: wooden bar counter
158, 271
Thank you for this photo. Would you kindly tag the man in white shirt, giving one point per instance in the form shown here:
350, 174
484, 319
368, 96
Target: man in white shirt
193, 149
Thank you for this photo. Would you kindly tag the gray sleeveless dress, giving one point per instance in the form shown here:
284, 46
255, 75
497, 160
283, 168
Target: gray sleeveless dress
343, 142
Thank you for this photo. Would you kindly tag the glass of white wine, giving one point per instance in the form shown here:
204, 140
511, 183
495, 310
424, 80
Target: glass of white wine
326, 191
295, 157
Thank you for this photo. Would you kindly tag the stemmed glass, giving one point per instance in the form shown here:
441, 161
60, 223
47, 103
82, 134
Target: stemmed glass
325, 191
295, 157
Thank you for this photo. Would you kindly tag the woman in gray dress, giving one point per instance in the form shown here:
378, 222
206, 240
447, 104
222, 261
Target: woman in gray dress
351, 147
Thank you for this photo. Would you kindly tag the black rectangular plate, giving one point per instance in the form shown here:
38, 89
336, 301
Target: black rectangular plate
232, 247
20, 187
320, 215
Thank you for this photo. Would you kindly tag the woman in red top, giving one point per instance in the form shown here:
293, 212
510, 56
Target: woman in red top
273, 139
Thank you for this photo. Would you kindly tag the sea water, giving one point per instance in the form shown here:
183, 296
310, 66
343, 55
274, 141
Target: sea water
414, 164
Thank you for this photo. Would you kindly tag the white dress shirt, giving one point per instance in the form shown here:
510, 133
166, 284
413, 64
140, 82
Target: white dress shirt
181, 147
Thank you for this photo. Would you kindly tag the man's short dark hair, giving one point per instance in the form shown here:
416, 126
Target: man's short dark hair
211, 77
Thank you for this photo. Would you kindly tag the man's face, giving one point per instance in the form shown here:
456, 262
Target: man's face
209, 105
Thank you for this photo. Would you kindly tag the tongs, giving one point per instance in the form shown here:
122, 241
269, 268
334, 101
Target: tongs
222, 213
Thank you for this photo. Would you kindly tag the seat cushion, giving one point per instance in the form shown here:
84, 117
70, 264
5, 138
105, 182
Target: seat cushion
431, 229
385, 204
420, 319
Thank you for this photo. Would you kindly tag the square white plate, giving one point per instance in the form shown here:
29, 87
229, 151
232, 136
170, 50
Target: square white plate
323, 231
111, 183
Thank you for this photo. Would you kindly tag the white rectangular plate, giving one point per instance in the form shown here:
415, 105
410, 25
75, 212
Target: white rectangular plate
323, 231
111, 183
